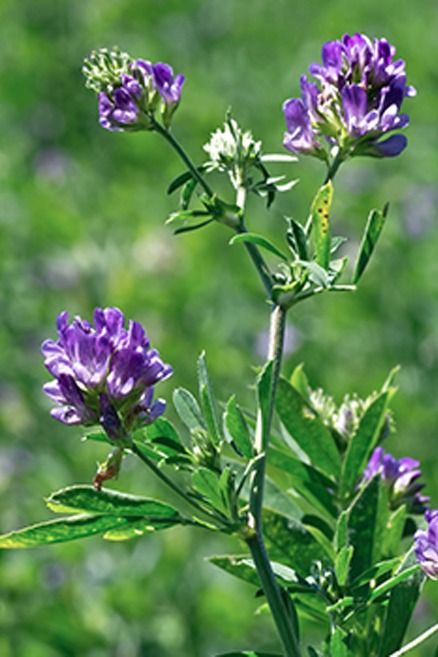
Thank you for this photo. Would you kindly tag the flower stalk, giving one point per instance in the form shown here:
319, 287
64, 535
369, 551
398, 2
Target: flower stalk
255, 541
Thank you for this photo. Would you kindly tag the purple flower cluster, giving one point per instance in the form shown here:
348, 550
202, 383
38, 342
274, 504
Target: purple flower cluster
400, 477
426, 545
104, 374
129, 91
355, 102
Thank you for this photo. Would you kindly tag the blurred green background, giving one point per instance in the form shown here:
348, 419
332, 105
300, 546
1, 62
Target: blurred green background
82, 224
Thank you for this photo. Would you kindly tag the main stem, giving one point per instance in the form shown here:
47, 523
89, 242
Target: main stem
255, 540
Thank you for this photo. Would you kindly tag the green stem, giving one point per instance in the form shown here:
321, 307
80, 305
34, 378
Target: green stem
263, 425
183, 155
255, 540
273, 595
174, 487
333, 168
252, 250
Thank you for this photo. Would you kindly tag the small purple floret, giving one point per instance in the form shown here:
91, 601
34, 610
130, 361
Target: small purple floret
426, 545
356, 100
104, 374
168, 86
400, 477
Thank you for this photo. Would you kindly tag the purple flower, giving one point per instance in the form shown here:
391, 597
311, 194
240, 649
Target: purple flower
128, 104
356, 100
129, 91
426, 545
168, 86
300, 138
400, 478
104, 374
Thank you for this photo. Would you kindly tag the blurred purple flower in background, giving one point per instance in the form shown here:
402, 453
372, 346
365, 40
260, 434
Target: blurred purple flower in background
104, 374
400, 477
354, 103
426, 545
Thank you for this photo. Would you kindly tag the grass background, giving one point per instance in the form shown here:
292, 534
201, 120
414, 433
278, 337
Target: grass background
82, 224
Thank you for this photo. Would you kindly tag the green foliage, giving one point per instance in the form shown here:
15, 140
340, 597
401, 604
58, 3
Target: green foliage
402, 601
373, 228
307, 429
115, 515
237, 428
362, 443
82, 227
248, 653
320, 224
260, 241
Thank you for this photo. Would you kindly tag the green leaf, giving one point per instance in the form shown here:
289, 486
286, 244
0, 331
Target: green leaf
300, 382
86, 499
264, 391
184, 215
367, 520
208, 401
373, 228
188, 409
160, 441
307, 429
208, 485
375, 572
274, 498
362, 444
308, 482
135, 528
336, 269
394, 532
182, 179
161, 428
297, 239
248, 653
402, 602
392, 582
97, 436
290, 543
116, 515
338, 647
188, 229
314, 653
187, 193
341, 532
317, 274
179, 181
336, 243
61, 530
342, 564
237, 428
242, 567
259, 240
320, 224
